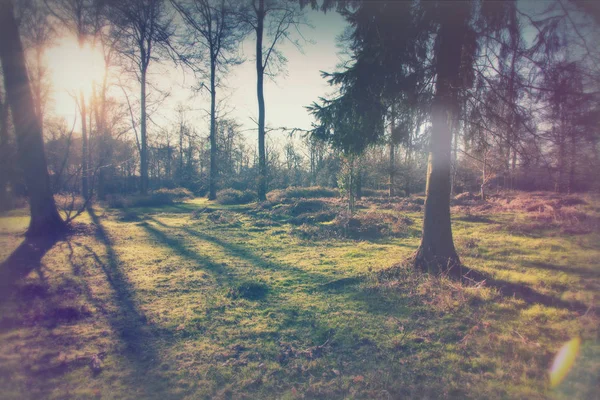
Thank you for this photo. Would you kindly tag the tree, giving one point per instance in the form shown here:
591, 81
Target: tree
45, 219
37, 33
215, 26
80, 16
271, 21
143, 29
399, 47
6, 156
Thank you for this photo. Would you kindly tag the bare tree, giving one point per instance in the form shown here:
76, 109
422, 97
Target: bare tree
213, 28
272, 21
80, 17
144, 31
45, 219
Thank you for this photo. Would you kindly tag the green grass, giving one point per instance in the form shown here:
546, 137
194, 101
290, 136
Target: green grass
178, 304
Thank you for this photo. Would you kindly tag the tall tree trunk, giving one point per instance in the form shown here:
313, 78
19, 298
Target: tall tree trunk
45, 219
84, 148
572, 161
561, 160
436, 252
6, 196
454, 157
483, 174
262, 162
143, 134
212, 182
392, 151
180, 172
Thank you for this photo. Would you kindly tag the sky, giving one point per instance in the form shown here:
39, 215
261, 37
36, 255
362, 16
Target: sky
285, 96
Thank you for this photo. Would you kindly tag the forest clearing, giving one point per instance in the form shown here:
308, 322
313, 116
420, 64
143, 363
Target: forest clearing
202, 300
299, 199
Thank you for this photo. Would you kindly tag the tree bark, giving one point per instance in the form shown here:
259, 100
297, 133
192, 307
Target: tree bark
262, 164
572, 161
45, 219
392, 151
212, 183
436, 253
143, 138
84, 149
6, 196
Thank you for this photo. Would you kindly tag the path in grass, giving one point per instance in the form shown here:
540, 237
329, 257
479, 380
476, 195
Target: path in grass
234, 305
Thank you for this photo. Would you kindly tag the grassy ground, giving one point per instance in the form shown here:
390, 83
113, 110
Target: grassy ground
199, 300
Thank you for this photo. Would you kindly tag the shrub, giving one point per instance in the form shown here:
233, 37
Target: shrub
232, 196
176, 193
374, 193
118, 201
161, 197
301, 192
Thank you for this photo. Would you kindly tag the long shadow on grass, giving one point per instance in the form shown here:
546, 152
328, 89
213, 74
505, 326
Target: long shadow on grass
26, 258
242, 252
129, 323
179, 246
525, 292
582, 272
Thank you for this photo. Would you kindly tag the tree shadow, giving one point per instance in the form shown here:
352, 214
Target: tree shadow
26, 258
583, 272
524, 292
179, 247
245, 253
128, 323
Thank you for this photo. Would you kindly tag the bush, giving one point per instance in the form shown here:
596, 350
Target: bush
374, 193
176, 193
301, 192
161, 197
232, 196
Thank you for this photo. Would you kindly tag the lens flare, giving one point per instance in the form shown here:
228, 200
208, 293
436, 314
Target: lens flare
564, 361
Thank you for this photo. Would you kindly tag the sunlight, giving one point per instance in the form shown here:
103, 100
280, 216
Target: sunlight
73, 68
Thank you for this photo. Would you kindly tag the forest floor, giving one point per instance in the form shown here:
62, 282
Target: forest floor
295, 300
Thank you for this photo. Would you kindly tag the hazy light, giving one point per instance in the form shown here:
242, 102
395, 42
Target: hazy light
74, 68
564, 361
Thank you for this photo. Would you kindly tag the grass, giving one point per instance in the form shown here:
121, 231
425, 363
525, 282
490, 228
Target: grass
202, 300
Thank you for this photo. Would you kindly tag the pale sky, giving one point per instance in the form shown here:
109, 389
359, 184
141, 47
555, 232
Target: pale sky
285, 98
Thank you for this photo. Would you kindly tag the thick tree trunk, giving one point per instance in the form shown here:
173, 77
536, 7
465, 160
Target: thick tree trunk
436, 253
262, 162
212, 185
45, 219
454, 158
85, 191
6, 196
143, 134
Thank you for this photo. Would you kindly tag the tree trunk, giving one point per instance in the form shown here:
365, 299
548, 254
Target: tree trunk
436, 253
84, 148
483, 175
212, 183
561, 162
392, 151
262, 164
572, 161
144, 140
45, 219
6, 196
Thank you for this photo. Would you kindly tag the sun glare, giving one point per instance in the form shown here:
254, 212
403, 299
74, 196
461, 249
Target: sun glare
74, 68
